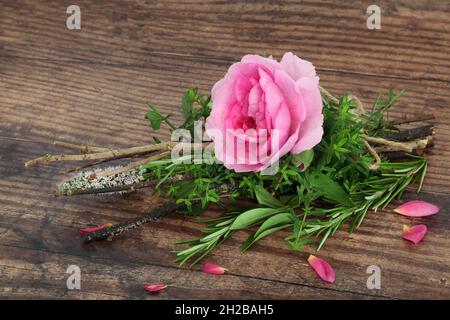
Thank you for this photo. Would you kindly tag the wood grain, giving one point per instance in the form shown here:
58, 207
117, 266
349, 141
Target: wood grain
92, 86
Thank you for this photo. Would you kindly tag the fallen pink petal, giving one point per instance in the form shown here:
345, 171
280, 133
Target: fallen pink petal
92, 229
415, 234
153, 288
212, 268
417, 208
322, 268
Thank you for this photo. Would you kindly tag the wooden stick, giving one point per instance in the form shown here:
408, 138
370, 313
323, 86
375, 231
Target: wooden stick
327, 94
111, 154
83, 148
134, 164
85, 166
118, 229
398, 146
413, 119
359, 106
125, 188
411, 134
410, 145
373, 152
88, 165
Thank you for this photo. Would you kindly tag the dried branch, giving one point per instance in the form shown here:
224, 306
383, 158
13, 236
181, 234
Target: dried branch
327, 94
398, 146
373, 152
409, 145
83, 148
134, 164
85, 166
423, 117
411, 134
118, 229
111, 154
122, 188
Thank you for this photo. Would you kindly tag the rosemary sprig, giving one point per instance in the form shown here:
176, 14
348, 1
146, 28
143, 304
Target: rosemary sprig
373, 193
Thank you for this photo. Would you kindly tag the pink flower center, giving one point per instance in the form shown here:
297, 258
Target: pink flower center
244, 122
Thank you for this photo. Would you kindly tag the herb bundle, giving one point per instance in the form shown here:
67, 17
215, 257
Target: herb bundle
362, 163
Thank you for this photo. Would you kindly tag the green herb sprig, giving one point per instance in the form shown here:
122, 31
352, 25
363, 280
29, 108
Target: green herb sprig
313, 194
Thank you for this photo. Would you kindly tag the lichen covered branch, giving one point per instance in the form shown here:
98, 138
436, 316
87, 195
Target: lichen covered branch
118, 229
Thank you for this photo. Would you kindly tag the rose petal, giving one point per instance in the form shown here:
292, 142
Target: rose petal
152, 288
415, 233
322, 268
92, 229
212, 268
417, 208
296, 67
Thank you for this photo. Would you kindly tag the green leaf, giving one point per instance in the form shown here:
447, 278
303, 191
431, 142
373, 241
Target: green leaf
276, 220
250, 217
155, 118
266, 199
187, 102
298, 243
303, 159
330, 188
253, 238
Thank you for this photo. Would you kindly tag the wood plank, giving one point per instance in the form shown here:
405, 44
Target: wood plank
92, 86
39, 222
41, 274
412, 43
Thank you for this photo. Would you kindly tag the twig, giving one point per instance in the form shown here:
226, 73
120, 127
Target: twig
361, 111
398, 146
118, 229
83, 148
411, 134
111, 154
389, 145
134, 164
409, 145
359, 106
373, 152
413, 119
88, 165
327, 94
125, 188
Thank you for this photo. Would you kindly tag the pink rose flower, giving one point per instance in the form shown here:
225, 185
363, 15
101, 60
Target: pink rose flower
263, 109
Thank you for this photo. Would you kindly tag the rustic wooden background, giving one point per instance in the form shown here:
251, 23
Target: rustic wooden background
92, 86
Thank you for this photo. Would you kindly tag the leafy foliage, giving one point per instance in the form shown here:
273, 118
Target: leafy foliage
313, 194
192, 113
156, 118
